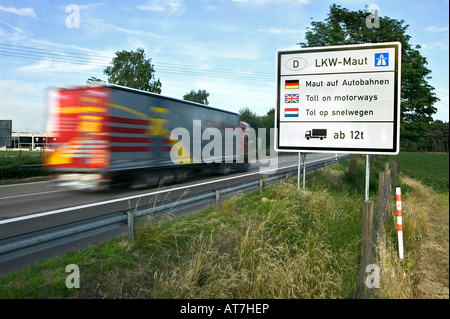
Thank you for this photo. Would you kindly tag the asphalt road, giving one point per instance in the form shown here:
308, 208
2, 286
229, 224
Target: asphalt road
31, 206
22, 199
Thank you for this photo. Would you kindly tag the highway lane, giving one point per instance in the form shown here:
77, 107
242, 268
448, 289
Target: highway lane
28, 207
58, 206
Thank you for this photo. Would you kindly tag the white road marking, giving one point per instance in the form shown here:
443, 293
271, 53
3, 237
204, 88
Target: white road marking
21, 184
27, 195
57, 211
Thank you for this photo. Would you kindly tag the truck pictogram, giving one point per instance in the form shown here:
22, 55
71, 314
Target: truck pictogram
316, 133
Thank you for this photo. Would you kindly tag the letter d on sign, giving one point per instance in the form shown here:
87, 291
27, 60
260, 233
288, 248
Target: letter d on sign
73, 280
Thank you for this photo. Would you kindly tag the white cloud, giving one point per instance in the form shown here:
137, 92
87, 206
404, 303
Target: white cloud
26, 12
272, 1
49, 66
14, 34
98, 26
47, 44
282, 31
442, 105
21, 98
171, 7
151, 7
208, 51
132, 31
437, 29
435, 46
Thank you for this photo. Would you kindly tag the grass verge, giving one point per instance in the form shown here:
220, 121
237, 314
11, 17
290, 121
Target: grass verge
284, 243
13, 165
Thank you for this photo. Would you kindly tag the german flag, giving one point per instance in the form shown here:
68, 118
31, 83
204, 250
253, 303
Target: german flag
291, 84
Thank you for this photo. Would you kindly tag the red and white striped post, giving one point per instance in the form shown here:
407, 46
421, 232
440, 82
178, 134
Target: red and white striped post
398, 197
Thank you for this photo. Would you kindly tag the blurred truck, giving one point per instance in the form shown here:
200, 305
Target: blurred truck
109, 134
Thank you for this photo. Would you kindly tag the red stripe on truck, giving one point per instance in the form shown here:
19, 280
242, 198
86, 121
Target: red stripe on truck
124, 120
127, 130
124, 149
127, 139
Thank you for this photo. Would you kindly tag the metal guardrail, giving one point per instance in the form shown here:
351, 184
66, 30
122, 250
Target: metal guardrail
33, 242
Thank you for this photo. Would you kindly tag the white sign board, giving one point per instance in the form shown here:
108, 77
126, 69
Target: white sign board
339, 99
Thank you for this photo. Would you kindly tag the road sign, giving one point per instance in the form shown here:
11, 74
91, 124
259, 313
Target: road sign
339, 99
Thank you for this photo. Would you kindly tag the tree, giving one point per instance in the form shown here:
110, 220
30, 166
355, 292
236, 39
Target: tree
250, 117
133, 70
201, 96
256, 121
417, 97
93, 79
437, 139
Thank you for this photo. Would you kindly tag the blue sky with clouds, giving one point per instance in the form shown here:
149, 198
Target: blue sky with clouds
226, 47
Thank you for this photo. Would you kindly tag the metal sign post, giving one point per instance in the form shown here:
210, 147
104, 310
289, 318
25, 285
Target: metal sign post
298, 171
366, 197
304, 170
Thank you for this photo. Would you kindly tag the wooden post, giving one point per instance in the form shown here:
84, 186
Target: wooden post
366, 248
383, 201
381, 205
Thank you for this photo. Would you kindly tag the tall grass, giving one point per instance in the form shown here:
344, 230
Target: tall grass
282, 245
400, 278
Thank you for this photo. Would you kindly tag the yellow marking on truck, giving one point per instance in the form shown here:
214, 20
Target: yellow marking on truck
81, 109
159, 109
85, 126
156, 126
127, 109
89, 99
63, 155
93, 118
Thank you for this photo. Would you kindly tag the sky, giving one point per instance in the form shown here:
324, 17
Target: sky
226, 47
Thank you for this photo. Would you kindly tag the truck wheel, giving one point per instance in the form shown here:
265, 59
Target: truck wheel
243, 167
224, 169
139, 181
167, 178
181, 175
152, 179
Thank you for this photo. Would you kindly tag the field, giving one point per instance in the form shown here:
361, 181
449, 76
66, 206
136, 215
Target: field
428, 191
429, 168
12, 164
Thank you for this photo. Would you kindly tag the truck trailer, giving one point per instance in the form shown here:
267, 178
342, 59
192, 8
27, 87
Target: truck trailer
111, 134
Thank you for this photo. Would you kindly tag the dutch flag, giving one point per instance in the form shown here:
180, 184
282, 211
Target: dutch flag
291, 112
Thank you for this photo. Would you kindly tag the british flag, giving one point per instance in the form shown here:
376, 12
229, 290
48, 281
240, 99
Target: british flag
291, 98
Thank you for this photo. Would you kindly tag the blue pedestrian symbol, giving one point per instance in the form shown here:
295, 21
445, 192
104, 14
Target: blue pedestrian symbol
381, 59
